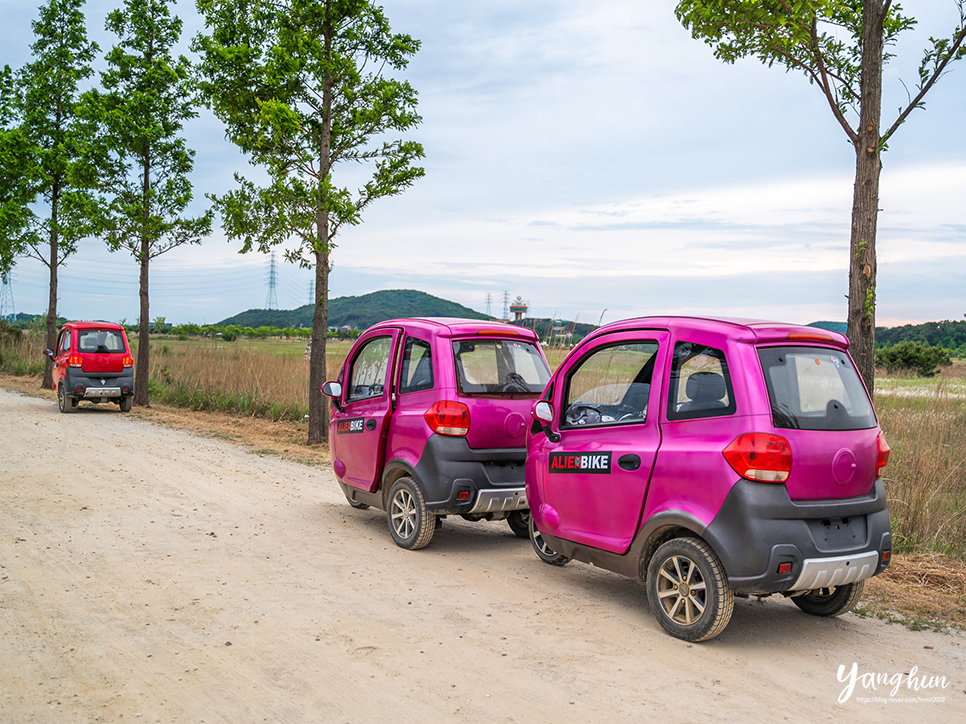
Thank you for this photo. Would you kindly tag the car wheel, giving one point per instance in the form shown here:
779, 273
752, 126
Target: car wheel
541, 548
830, 601
688, 591
519, 522
64, 402
411, 525
126, 404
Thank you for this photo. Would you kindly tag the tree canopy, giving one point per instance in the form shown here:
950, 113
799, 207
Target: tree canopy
147, 98
303, 86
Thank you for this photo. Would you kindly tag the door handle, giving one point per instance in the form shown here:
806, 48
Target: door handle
629, 462
370, 424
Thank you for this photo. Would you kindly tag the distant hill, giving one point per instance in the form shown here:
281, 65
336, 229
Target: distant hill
948, 334
359, 312
832, 326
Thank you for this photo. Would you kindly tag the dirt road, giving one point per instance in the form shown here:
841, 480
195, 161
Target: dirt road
150, 575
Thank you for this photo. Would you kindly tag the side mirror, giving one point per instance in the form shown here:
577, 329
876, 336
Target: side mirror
49, 353
542, 412
333, 390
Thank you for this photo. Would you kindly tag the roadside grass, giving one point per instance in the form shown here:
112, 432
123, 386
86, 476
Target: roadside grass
256, 380
924, 421
21, 353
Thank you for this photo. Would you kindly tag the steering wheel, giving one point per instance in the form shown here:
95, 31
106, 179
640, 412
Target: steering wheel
514, 382
626, 412
583, 413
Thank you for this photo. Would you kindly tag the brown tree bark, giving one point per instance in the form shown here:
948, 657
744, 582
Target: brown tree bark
48, 381
143, 367
318, 403
865, 197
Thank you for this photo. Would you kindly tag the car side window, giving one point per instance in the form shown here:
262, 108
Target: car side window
417, 366
368, 376
610, 386
63, 344
700, 384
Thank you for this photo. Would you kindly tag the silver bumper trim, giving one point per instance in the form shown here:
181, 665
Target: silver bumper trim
497, 501
103, 392
830, 572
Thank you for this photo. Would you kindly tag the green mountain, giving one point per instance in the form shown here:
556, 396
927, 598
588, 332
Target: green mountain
832, 326
949, 334
359, 312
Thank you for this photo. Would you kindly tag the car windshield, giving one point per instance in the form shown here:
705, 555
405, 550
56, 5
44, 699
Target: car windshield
104, 341
499, 366
815, 389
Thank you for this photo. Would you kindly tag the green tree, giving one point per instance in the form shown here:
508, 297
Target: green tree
146, 100
915, 357
16, 176
840, 47
60, 143
302, 86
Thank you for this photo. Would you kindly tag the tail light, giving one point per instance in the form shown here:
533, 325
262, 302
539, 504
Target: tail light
128, 361
760, 456
75, 360
447, 417
883, 458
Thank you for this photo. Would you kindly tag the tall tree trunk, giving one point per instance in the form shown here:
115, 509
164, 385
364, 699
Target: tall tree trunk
865, 198
48, 381
318, 403
141, 371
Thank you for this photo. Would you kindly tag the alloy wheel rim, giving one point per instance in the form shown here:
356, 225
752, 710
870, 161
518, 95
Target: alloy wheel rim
403, 514
682, 590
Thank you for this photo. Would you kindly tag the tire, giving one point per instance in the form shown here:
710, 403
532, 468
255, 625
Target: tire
830, 601
356, 504
411, 525
540, 547
126, 404
65, 403
519, 522
688, 591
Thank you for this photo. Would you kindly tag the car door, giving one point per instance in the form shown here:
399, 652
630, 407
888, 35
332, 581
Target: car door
61, 354
595, 476
361, 426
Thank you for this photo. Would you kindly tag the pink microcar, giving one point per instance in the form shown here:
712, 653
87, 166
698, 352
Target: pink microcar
429, 419
712, 458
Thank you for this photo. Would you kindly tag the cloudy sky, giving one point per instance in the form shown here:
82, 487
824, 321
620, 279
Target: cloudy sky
590, 157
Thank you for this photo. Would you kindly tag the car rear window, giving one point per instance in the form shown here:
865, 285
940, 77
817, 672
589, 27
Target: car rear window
103, 341
815, 389
499, 366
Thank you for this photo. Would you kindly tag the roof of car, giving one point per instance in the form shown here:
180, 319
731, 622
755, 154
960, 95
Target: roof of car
93, 325
449, 326
749, 330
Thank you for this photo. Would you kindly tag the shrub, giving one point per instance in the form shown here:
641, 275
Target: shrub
916, 357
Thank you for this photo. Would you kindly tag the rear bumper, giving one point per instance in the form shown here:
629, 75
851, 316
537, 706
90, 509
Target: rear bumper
499, 501
459, 480
827, 543
84, 386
